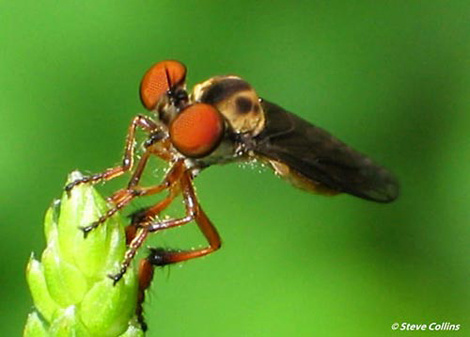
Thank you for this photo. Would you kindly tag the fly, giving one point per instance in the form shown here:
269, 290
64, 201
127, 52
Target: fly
224, 120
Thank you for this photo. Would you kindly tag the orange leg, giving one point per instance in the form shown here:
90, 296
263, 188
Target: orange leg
161, 257
123, 197
140, 121
136, 235
156, 144
136, 242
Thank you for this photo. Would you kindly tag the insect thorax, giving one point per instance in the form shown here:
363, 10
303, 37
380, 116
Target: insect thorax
235, 99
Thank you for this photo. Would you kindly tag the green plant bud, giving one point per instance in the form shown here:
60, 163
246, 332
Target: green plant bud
72, 294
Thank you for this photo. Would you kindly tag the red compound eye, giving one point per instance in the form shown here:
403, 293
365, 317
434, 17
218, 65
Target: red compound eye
158, 80
197, 130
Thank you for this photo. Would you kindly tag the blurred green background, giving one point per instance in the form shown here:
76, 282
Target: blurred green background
391, 78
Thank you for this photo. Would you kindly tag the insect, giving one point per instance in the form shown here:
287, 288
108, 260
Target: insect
223, 120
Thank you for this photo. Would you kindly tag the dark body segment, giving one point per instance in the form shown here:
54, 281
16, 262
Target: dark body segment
223, 88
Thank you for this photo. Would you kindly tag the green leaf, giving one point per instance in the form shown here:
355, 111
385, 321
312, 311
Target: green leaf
108, 303
34, 326
67, 323
39, 291
66, 284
